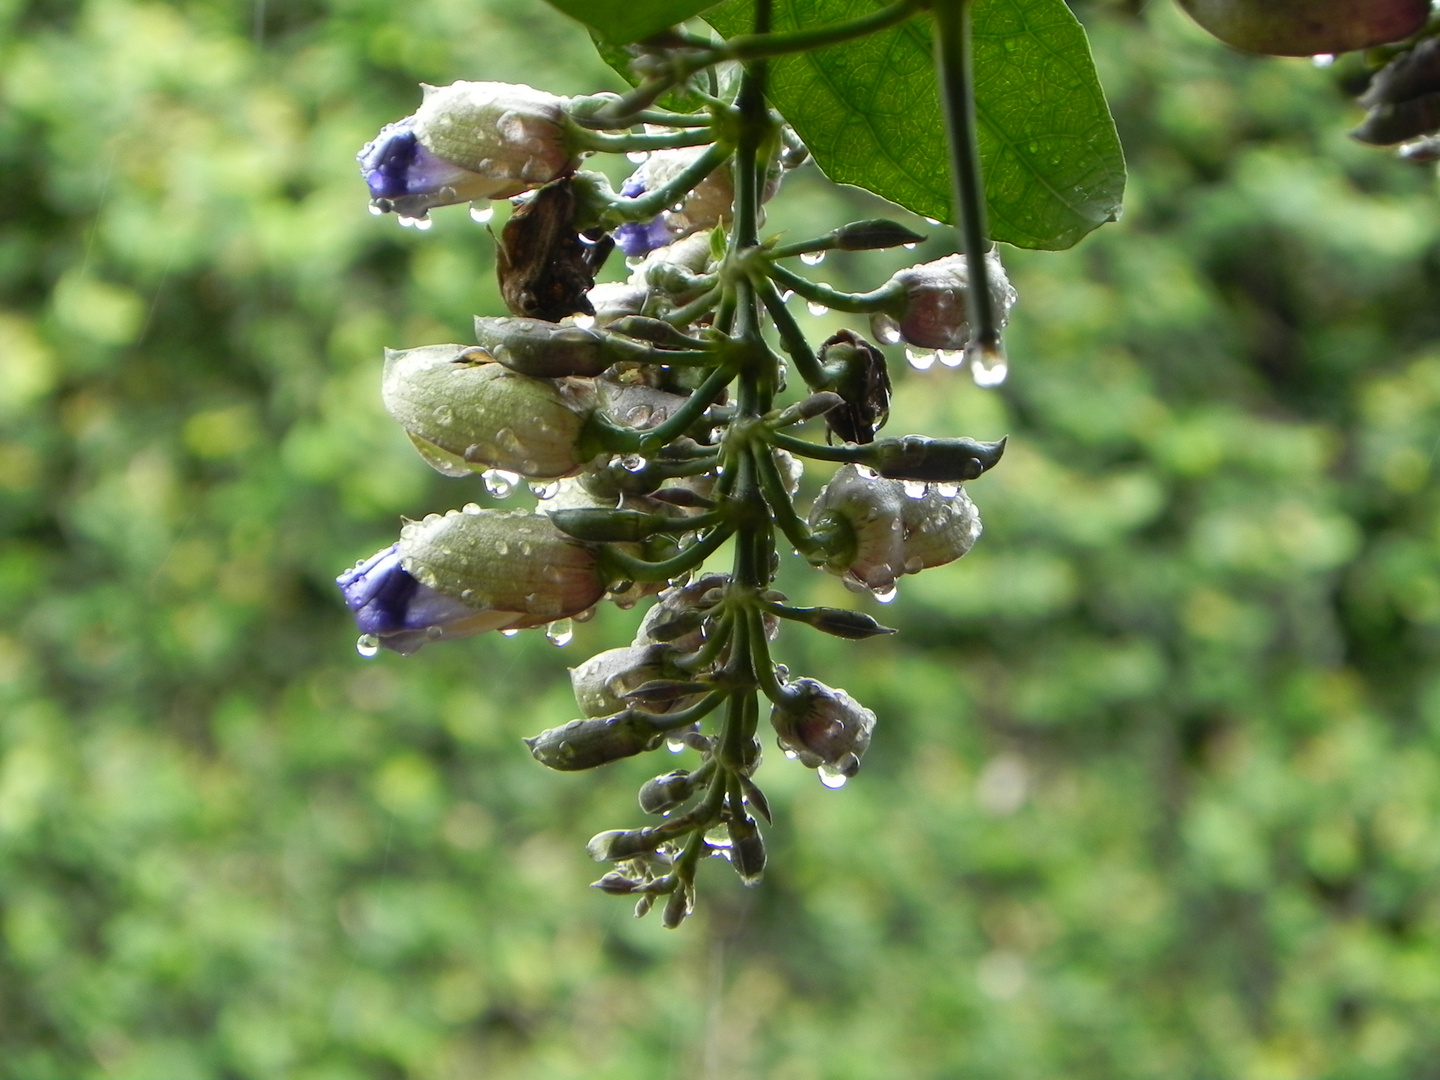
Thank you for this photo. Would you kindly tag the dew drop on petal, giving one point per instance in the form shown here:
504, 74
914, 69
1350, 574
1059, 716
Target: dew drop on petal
545, 490
633, 463
916, 488
584, 322
1323, 60
481, 215
376, 211
470, 508
405, 222
674, 745
950, 357
367, 645
791, 755
909, 247
921, 359
638, 156
508, 633
932, 221
831, 778
786, 295
813, 258
816, 309
560, 632
424, 224
886, 594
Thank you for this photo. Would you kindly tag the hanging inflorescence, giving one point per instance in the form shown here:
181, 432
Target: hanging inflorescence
647, 418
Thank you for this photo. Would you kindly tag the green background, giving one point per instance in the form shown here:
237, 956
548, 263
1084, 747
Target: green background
1155, 787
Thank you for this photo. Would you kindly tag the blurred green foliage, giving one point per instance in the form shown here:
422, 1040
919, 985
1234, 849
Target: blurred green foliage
1156, 787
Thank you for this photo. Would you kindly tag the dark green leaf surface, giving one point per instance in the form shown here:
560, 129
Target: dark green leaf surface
630, 20
869, 112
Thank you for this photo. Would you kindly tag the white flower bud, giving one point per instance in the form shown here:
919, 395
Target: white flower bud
937, 311
823, 728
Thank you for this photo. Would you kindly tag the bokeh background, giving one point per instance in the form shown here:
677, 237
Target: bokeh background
1155, 787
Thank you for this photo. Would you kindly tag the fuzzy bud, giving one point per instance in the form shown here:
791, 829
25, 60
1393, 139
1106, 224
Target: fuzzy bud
466, 413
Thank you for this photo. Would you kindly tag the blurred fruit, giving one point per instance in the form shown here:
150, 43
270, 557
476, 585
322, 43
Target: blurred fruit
1307, 27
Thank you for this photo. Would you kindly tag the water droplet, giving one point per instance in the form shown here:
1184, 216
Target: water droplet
584, 322
444, 415
914, 564
921, 359
831, 778
367, 645
640, 416
508, 633
560, 632
405, 222
950, 357
813, 258
481, 215
638, 156
674, 745
1323, 60
546, 490
633, 463
909, 247
470, 508
498, 482
816, 309
916, 489
791, 755
885, 329
933, 221
988, 366
424, 224
948, 491
632, 261
376, 211
886, 594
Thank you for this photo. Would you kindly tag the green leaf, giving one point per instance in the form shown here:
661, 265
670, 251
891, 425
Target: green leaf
621, 21
869, 111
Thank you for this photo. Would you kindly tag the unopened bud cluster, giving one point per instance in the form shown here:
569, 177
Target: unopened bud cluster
645, 416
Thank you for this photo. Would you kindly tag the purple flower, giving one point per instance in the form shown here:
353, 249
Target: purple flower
467, 141
393, 607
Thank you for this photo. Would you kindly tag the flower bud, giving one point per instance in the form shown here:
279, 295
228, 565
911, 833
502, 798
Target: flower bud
616, 299
585, 744
707, 204
877, 530
916, 457
468, 140
677, 616
503, 560
669, 790
747, 850
601, 683
823, 728
615, 844
858, 518
541, 349
465, 413
874, 234
936, 313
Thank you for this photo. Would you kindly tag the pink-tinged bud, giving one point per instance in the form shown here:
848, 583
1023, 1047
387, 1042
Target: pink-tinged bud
877, 530
823, 728
937, 312
468, 141
465, 413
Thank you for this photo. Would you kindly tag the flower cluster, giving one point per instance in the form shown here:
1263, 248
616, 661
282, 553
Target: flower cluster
645, 416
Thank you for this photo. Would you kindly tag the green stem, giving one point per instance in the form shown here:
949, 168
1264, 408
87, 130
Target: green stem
792, 338
586, 138
782, 509
761, 44
847, 452
957, 94
621, 564
686, 315
879, 299
627, 440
